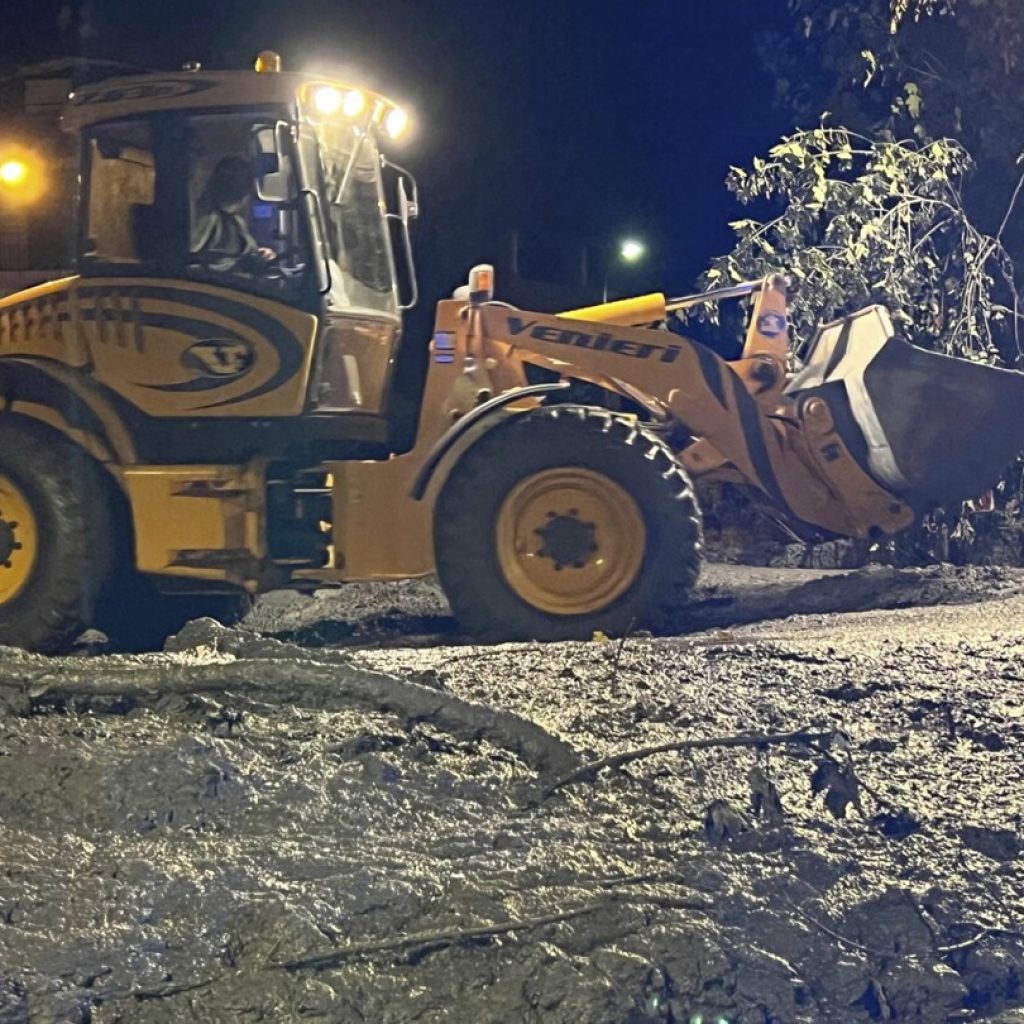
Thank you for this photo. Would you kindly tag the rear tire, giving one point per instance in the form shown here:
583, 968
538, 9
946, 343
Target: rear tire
66, 547
515, 568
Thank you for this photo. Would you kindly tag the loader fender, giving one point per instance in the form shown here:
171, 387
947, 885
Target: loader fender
60, 398
458, 430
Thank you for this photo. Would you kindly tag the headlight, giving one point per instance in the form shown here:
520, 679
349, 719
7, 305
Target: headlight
22, 177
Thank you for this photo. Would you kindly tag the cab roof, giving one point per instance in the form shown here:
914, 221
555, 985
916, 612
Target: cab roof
125, 96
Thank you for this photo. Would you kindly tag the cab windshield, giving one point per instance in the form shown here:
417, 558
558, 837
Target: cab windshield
344, 167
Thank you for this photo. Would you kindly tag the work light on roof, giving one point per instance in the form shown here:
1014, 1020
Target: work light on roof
354, 102
396, 122
328, 100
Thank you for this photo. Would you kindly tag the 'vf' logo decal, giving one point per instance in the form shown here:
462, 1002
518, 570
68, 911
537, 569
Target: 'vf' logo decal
219, 357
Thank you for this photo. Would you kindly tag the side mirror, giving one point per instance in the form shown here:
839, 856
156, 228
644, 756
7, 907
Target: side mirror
408, 206
408, 196
272, 164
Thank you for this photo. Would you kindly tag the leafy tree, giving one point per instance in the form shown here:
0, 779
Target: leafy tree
928, 68
906, 193
861, 221
911, 199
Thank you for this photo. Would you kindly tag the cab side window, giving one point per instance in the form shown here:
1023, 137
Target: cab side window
237, 238
121, 175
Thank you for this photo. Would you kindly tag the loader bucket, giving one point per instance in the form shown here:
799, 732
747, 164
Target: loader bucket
931, 429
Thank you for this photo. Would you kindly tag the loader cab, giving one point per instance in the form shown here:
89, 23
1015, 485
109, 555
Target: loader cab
236, 238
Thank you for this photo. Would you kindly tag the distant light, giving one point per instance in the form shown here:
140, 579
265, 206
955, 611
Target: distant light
396, 122
22, 177
327, 100
13, 172
631, 250
353, 103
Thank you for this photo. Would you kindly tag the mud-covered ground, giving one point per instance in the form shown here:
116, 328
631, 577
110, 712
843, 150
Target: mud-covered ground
322, 816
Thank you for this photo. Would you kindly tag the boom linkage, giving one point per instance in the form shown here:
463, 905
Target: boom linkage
735, 410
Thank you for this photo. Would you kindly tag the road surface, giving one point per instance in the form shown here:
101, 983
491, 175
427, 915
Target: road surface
344, 811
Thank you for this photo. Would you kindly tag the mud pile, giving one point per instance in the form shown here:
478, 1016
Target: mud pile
245, 828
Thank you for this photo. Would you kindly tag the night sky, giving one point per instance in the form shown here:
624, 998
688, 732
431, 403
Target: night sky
574, 122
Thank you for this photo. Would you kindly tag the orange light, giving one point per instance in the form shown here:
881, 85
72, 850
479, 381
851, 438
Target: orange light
13, 172
268, 62
481, 283
22, 176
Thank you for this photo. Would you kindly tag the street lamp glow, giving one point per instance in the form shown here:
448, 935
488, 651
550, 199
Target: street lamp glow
631, 250
13, 172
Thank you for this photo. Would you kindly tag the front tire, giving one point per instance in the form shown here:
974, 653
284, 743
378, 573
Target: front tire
564, 521
55, 537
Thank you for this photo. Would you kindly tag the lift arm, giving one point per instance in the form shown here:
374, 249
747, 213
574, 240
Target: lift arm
793, 455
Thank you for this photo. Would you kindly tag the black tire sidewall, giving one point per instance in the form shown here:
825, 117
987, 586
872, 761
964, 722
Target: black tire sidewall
60, 484
529, 444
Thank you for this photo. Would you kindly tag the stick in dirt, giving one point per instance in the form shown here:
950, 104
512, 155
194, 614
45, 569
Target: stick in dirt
590, 770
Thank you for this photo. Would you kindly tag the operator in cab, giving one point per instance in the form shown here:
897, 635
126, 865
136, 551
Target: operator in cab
221, 240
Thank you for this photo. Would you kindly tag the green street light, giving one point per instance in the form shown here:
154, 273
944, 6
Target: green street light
632, 250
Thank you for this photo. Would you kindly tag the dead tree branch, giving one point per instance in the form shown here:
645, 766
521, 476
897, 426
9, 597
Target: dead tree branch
983, 933
589, 771
453, 937
620, 647
306, 684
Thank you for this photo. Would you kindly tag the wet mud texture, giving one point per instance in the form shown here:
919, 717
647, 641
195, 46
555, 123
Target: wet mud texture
317, 816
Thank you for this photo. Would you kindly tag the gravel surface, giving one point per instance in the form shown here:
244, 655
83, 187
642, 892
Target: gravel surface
317, 815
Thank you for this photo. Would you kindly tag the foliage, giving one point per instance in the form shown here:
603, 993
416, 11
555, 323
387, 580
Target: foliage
922, 68
839, 786
952, 50
861, 221
912, 202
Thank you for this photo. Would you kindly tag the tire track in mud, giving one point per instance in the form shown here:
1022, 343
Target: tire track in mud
414, 613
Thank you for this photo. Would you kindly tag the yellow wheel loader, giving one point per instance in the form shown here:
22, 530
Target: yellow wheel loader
210, 407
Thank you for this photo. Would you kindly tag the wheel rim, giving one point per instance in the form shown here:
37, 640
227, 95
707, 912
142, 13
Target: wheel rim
18, 540
570, 540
